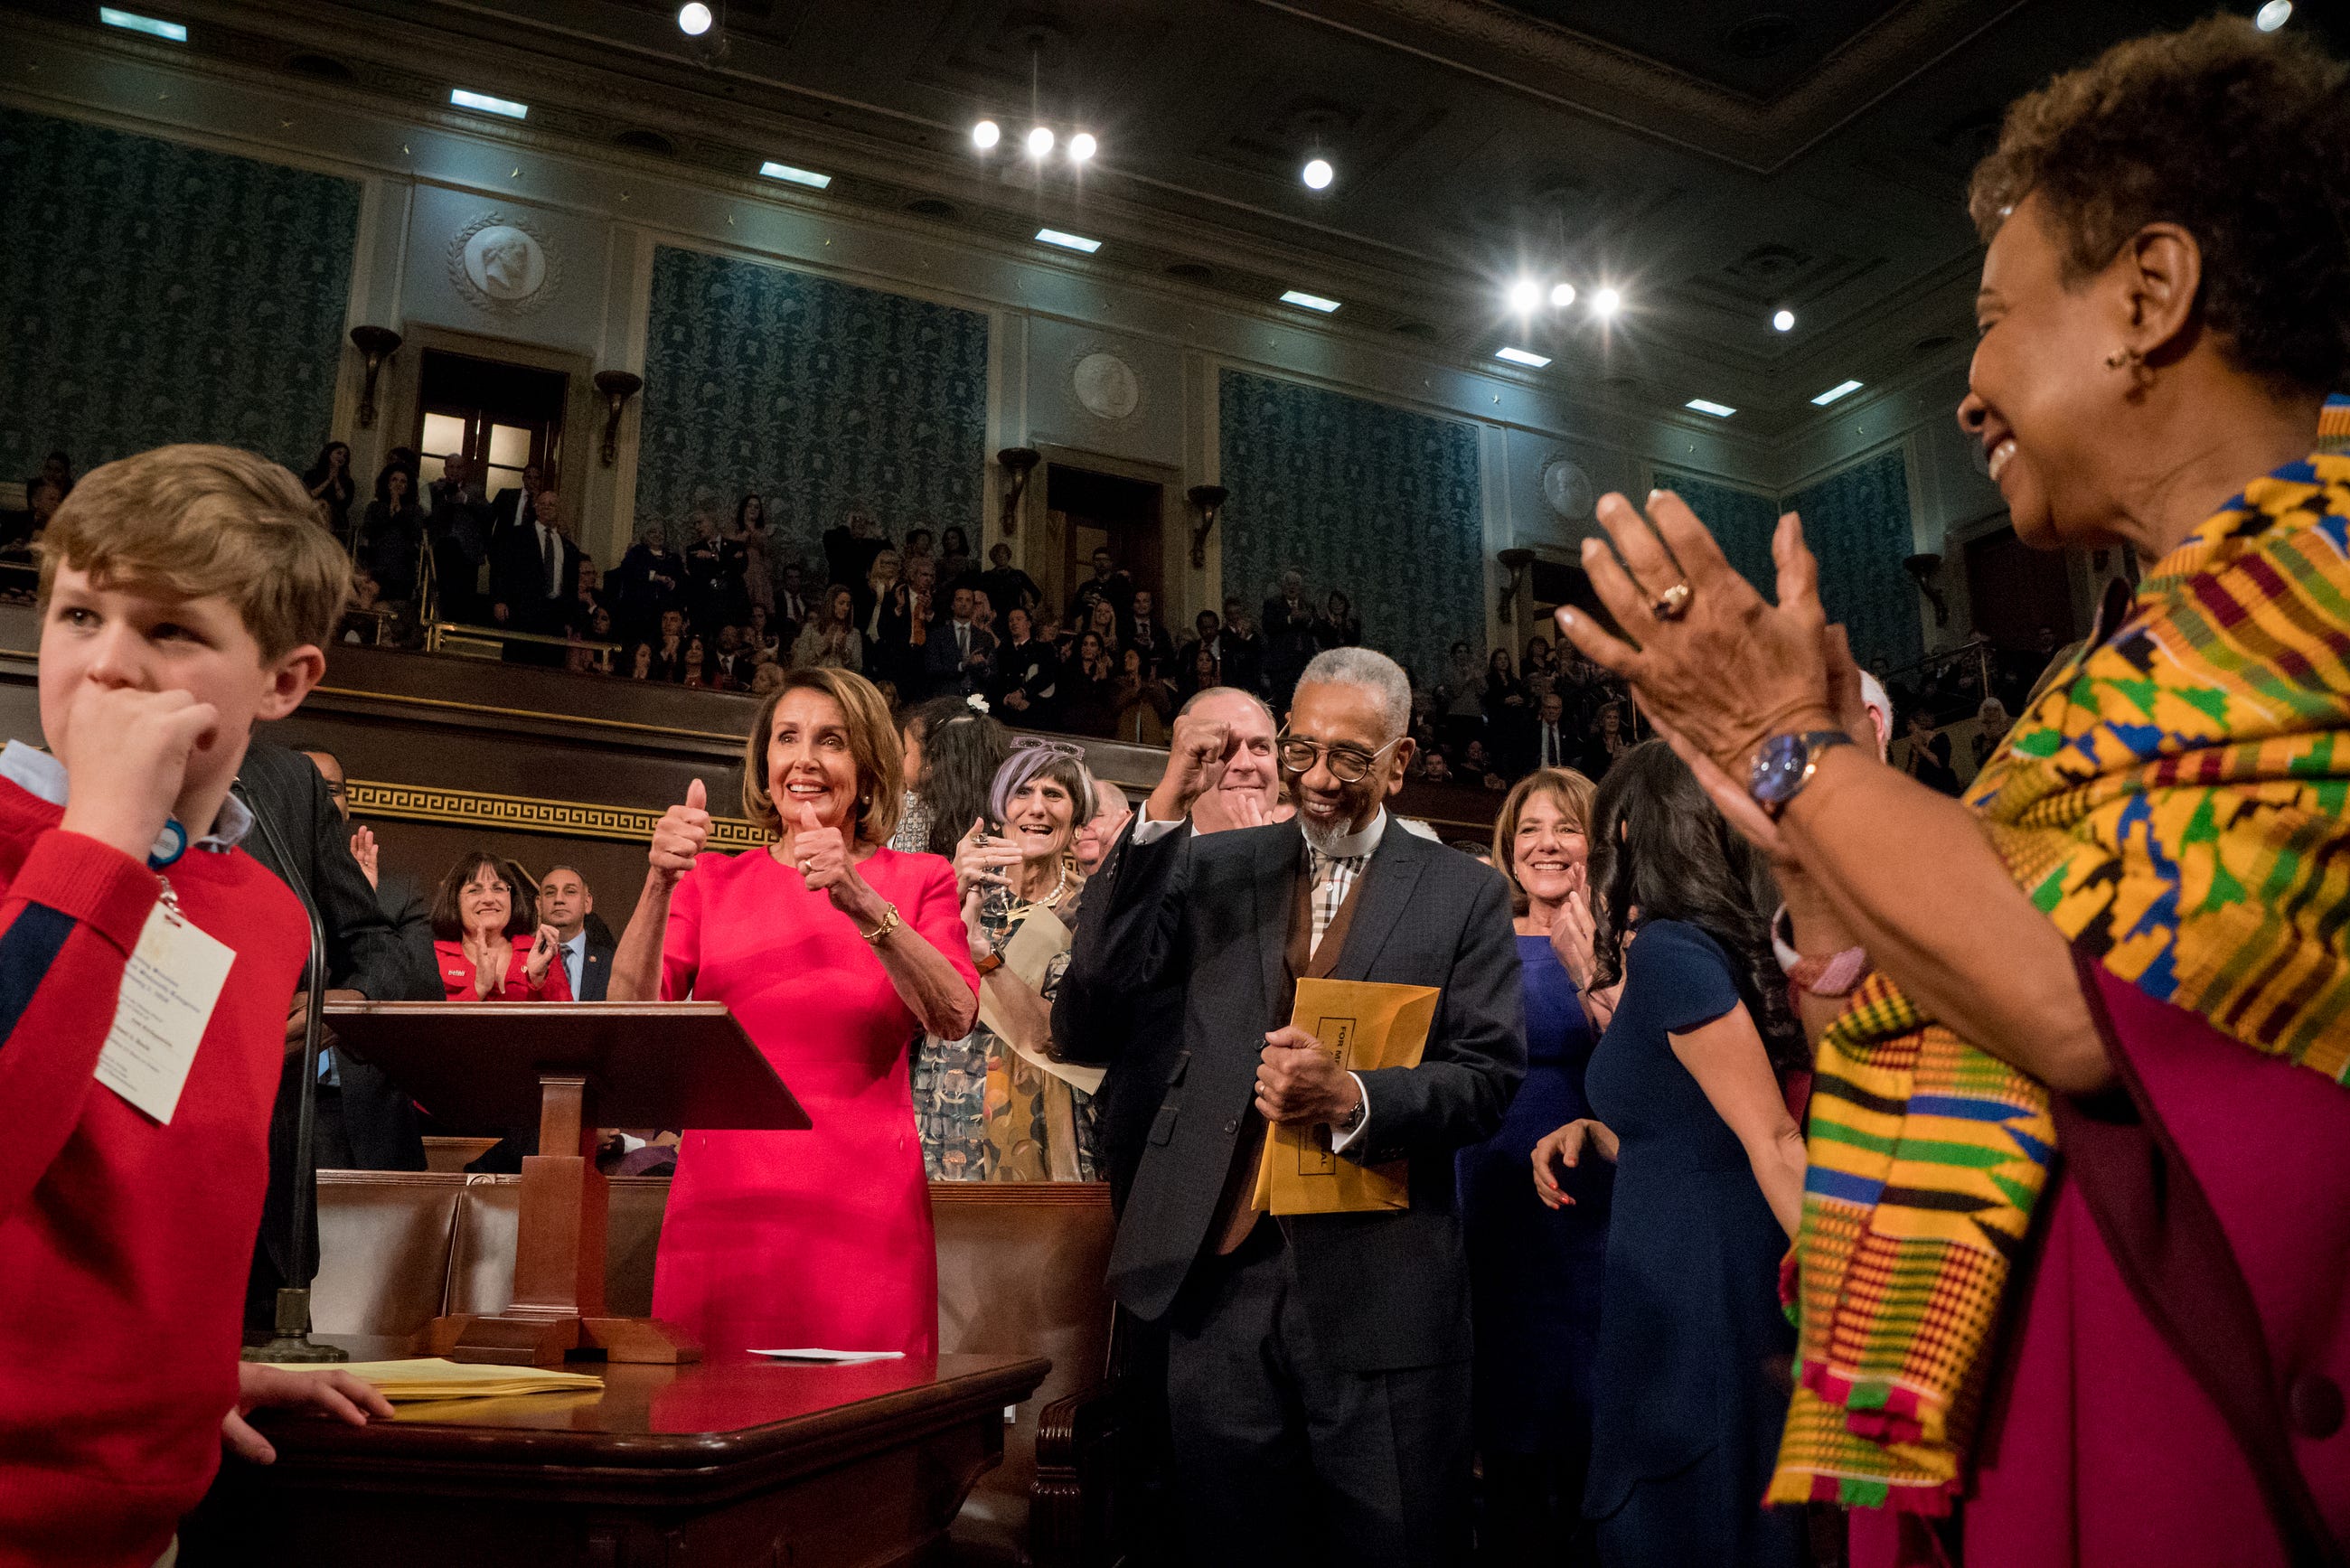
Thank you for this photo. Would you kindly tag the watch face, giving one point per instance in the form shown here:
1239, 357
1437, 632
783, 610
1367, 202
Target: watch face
1778, 769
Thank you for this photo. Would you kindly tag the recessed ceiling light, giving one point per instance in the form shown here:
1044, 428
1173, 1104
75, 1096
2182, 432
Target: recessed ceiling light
1842, 389
1708, 406
1068, 242
1310, 301
1525, 357
693, 18
2272, 15
808, 177
154, 27
1525, 294
1317, 174
1082, 146
488, 105
1606, 303
1039, 141
986, 134
1784, 321
1562, 295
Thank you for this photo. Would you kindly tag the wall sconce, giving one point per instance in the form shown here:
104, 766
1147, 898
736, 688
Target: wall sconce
379, 344
618, 387
1922, 569
1016, 462
1207, 500
1516, 563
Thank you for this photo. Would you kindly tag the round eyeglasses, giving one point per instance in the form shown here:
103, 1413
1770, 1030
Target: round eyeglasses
1347, 764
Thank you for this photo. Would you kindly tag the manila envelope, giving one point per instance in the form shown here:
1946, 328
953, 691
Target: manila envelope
1366, 1025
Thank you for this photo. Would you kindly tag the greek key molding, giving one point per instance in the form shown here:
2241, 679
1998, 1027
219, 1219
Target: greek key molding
527, 814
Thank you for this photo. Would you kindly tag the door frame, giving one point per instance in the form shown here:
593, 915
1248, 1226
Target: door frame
1046, 543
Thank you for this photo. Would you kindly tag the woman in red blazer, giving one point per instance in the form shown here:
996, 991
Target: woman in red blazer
489, 945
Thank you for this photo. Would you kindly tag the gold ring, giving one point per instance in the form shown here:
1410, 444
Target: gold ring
1673, 604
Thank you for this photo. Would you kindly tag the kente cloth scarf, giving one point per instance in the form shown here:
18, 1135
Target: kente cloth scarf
2174, 803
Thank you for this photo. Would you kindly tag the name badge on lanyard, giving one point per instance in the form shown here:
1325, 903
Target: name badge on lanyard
170, 988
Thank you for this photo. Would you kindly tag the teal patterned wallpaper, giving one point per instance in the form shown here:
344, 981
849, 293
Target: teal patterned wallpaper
151, 292
1372, 500
818, 395
1741, 523
1856, 522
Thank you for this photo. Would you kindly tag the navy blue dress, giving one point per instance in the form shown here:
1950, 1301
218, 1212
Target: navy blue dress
1534, 1273
1689, 1390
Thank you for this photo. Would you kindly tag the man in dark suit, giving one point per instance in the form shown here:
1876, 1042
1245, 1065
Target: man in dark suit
307, 845
534, 580
960, 657
1318, 1365
1288, 627
516, 506
564, 902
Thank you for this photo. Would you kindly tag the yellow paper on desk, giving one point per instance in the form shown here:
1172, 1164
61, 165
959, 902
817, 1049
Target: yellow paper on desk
430, 1377
1367, 1025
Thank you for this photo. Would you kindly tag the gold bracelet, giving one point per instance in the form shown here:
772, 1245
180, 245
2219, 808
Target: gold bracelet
890, 922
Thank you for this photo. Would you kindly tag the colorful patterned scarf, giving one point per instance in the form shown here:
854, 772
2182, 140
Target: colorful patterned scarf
2174, 803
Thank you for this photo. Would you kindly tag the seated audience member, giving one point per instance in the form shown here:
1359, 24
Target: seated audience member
1479, 768
185, 593
1337, 626
1006, 584
26, 529
390, 542
1199, 670
669, 654
729, 661
589, 597
640, 662
985, 1112
1026, 673
1551, 743
330, 484
1100, 833
1089, 687
1929, 755
564, 902
1145, 701
1607, 741
831, 641
696, 662
762, 635
794, 604
769, 677
1204, 627
960, 657
1102, 619
488, 941
1436, 769
1993, 718
921, 544
1686, 1105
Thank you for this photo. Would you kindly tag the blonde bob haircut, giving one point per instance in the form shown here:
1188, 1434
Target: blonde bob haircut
200, 521
874, 746
1563, 787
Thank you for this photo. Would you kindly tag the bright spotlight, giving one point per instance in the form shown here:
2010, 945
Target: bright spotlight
1081, 146
985, 134
1317, 174
1606, 303
2272, 15
1525, 294
1039, 141
1784, 321
693, 18
1562, 295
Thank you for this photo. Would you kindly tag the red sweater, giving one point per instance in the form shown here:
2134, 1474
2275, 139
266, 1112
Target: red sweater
124, 1243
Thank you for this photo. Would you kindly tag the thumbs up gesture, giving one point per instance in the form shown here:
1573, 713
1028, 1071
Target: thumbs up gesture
680, 835
821, 854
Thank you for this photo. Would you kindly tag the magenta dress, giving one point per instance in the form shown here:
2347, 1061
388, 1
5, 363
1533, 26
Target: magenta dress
821, 1238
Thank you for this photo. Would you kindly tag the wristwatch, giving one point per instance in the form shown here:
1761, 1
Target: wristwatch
1785, 764
1355, 1117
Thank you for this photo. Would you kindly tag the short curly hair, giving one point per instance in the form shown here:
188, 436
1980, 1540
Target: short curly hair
2240, 137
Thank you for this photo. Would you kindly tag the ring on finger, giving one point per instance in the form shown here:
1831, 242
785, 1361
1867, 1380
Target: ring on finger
1673, 604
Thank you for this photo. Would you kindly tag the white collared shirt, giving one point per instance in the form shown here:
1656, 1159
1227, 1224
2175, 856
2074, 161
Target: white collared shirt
37, 772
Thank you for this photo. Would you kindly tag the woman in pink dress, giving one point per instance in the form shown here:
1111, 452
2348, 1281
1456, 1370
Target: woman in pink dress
834, 952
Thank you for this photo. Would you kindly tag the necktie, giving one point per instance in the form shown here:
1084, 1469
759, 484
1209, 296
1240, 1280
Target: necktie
554, 569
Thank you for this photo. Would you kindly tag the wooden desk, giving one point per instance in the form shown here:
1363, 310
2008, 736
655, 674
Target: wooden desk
734, 1461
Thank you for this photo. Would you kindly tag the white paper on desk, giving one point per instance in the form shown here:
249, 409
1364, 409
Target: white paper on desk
1042, 936
839, 1358
169, 989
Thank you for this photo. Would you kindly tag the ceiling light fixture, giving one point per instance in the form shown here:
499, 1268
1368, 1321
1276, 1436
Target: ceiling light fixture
785, 171
1784, 321
1310, 301
1605, 304
1068, 242
2272, 15
1562, 295
1039, 141
154, 27
1082, 146
693, 18
1524, 295
1317, 174
488, 105
1841, 389
1708, 406
1525, 357
986, 134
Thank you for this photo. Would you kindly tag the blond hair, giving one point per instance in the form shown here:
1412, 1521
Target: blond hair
874, 746
200, 520
1572, 793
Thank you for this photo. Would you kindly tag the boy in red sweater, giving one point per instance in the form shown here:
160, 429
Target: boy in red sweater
185, 593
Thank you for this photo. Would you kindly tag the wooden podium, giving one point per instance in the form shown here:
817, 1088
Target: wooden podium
576, 1066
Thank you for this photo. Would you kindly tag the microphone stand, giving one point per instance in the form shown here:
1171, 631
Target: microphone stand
292, 1342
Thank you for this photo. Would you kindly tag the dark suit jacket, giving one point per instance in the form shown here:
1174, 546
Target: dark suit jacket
518, 581
595, 970
943, 671
363, 954
1212, 916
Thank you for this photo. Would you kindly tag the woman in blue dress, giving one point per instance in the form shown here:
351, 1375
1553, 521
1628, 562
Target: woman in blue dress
1535, 1271
1689, 1388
